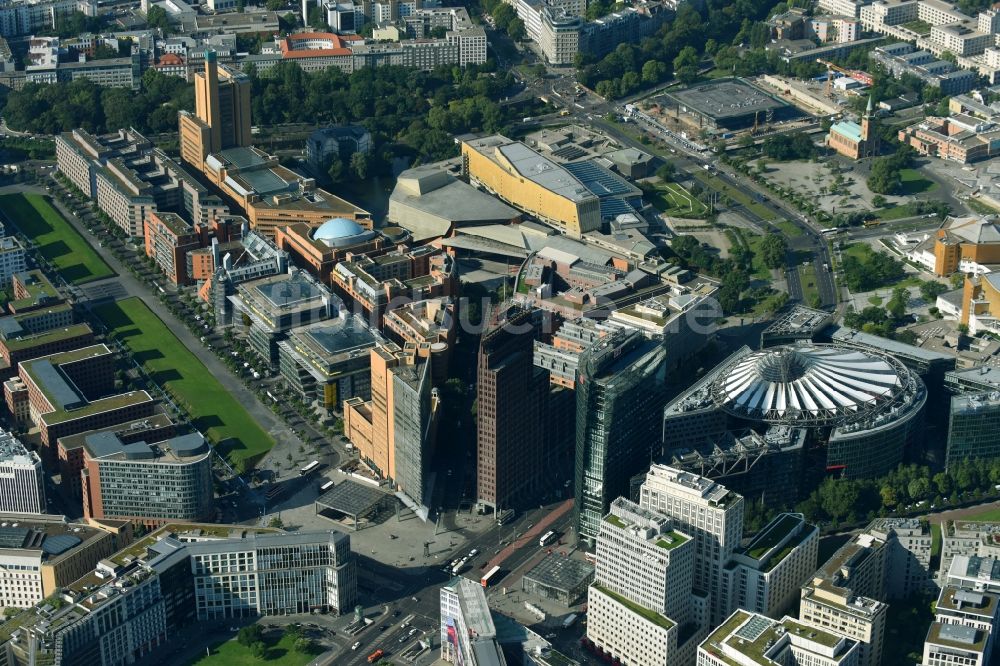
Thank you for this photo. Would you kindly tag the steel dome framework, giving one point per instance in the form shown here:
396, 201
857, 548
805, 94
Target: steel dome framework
810, 385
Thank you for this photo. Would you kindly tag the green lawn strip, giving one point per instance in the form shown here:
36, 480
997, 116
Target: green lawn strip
736, 195
807, 278
760, 271
685, 199
986, 515
935, 540
788, 228
894, 213
672, 199
213, 410
54, 237
914, 183
279, 653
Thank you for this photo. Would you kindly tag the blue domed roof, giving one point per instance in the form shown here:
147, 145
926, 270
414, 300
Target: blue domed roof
337, 228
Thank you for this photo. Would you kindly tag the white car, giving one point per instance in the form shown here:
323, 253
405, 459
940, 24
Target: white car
473, 553
356, 645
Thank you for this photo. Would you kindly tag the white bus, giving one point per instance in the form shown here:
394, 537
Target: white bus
490, 576
547, 538
829, 231
325, 487
311, 467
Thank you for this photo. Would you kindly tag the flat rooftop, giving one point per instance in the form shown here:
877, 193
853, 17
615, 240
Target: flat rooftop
285, 291
559, 571
726, 99
46, 337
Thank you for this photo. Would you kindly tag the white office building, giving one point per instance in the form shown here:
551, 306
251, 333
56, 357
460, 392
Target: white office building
12, 259
22, 481
641, 594
273, 574
765, 577
707, 511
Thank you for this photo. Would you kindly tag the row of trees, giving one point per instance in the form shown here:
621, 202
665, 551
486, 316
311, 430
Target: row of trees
851, 501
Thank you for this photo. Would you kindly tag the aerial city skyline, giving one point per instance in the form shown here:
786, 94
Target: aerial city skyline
554, 332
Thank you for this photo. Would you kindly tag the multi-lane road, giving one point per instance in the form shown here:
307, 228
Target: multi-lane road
413, 599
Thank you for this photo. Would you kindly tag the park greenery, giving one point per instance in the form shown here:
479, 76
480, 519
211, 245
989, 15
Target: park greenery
850, 501
211, 408
883, 321
886, 172
868, 270
408, 112
737, 294
791, 146
62, 107
55, 240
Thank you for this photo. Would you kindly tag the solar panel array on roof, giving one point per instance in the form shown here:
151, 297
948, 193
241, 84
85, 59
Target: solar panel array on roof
598, 180
752, 630
14, 537
56, 545
569, 152
613, 207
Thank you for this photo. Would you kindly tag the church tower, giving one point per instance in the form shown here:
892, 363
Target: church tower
869, 137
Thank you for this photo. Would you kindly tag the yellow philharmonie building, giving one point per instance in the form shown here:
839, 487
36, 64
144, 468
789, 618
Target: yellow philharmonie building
535, 184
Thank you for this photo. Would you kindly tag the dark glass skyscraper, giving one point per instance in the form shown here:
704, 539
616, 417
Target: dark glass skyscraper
620, 394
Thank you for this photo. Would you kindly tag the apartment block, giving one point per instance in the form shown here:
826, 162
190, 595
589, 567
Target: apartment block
124, 611
273, 574
22, 479
909, 556
12, 258
765, 576
948, 644
24, 18
274, 305
710, 513
749, 639
964, 628
960, 537
33, 293
329, 361
18, 345
377, 284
